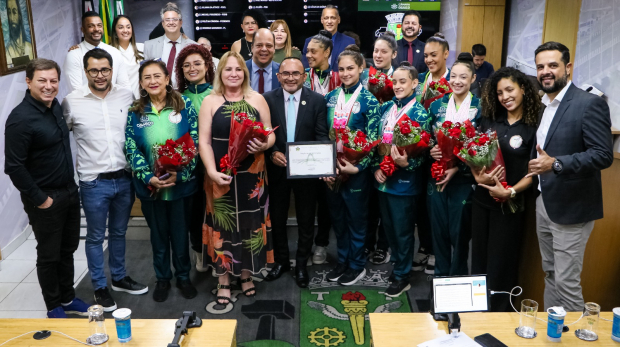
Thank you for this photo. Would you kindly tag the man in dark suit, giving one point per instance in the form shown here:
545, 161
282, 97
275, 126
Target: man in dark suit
330, 18
574, 143
262, 68
300, 115
410, 48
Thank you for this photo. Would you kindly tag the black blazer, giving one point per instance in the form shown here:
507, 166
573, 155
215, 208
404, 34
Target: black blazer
418, 58
580, 137
311, 123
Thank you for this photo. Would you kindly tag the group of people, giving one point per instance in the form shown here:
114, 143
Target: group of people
126, 98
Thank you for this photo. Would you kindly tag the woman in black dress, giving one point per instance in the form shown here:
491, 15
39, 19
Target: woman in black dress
237, 229
510, 106
251, 22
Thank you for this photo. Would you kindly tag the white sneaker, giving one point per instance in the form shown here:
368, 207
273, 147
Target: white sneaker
420, 260
199, 266
320, 255
430, 266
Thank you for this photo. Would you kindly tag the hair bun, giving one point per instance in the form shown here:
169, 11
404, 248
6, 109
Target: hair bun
405, 64
389, 33
465, 56
440, 35
326, 34
353, 48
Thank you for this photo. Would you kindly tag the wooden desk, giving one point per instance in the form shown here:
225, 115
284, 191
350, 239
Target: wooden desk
411, 329
145, 332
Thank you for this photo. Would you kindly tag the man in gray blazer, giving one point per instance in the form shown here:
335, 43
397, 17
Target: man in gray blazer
168, 46
573, 145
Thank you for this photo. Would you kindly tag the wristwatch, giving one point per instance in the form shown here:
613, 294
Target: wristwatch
557, 166
513, 192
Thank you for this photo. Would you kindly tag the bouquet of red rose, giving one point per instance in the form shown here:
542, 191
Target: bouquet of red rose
243, 128
482, 150
352, 146
173, 155
434, 91
409, 137
450, 138
380, 85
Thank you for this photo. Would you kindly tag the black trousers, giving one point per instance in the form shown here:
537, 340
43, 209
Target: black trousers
57, 231
198, 207
422, 217
496, 245
323, 216
305, 193
375, 235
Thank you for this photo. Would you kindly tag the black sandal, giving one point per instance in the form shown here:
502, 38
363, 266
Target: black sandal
245, 292
225, 298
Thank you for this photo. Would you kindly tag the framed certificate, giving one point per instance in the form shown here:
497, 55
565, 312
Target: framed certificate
312, 159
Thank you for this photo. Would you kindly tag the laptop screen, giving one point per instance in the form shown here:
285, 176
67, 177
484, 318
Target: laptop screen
460, 294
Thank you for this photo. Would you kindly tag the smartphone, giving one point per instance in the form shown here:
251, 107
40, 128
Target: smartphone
488, 340
164, 176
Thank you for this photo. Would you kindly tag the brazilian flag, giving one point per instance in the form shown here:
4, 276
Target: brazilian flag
108, 10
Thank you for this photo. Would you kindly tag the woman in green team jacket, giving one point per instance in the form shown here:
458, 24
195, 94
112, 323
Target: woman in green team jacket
195, 71
160, 114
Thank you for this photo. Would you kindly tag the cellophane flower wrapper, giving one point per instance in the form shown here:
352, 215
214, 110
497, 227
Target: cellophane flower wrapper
173, 155
353, 146
450, 138
243, 128
435, 91
380, 85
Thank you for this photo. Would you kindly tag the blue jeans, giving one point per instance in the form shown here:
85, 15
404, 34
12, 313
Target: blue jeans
102, 199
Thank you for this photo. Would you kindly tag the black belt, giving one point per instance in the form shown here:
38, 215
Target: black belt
114, 175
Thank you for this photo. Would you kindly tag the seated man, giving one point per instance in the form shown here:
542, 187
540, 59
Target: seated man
484, 69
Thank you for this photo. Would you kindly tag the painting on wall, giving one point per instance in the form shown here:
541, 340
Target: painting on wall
17, 35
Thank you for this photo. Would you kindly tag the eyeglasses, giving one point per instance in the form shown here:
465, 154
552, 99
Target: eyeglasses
105, 72
197, 65
172, 20
286, 74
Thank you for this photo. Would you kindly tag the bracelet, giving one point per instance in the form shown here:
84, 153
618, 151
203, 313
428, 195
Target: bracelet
513, 192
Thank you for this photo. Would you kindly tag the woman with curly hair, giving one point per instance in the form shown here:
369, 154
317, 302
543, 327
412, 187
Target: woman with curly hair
510, 106
194, 71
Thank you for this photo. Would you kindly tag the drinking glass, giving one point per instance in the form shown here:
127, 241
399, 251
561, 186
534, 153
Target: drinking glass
96, 322
527, 321
589, 322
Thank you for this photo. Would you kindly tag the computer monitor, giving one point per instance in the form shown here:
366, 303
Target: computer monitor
457, 294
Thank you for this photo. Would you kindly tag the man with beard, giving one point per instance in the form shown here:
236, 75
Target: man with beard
410, 48
262, 68
573, 145
18, 46
97, 114
92, 28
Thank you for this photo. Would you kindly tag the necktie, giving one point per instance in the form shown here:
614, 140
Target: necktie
261, 81
173, 54
291, 119
410, 53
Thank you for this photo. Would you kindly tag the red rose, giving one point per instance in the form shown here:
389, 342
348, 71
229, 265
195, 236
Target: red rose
171, 143
471, 152
482, 141
359, 133
426, 137
242, 115
415, 124
405, 129
455, 132
447, 124
470, 131
248, 122
471, 144
432, 84
345, 139
259, 125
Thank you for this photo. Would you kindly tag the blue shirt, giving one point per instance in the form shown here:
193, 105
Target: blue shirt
256, 76
485, 71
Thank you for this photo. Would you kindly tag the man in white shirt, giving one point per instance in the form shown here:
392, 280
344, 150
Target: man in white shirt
207, 44
168, 46
573, 145
97, 114
92, 28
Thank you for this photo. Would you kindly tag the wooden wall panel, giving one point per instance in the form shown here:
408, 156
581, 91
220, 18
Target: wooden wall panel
562, 23
495, 2
472, 28
493, 34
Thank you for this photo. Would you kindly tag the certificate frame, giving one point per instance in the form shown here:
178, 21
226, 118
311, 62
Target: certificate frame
290, 147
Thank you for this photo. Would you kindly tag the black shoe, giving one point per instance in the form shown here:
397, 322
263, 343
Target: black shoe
276, 272
188, 291
350, 277
160, 294
397, 287
129, 286
103, 298
380, 257
440, 317
392, 278
336, 272
301, 276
